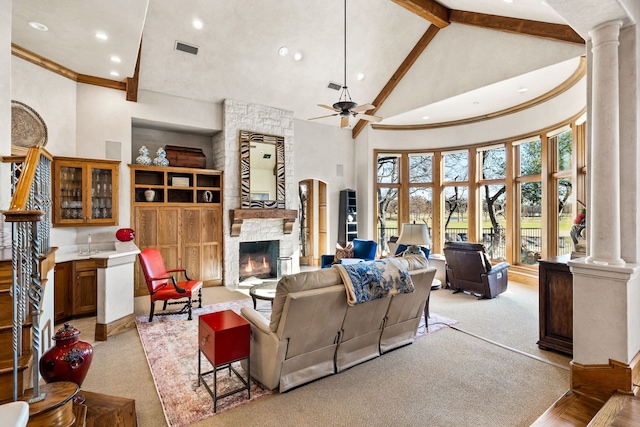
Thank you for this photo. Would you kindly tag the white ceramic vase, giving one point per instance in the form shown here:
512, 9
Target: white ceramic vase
149, 195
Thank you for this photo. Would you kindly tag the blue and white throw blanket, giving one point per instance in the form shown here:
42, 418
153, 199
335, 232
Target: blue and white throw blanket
370, 280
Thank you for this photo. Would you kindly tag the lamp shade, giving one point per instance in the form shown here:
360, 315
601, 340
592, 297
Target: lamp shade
415, 234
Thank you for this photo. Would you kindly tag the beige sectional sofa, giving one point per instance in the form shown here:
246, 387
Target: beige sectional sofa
313, 332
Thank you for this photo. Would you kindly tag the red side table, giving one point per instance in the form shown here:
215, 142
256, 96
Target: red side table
223, 338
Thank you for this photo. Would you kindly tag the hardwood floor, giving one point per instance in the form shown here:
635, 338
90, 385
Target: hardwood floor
573, 410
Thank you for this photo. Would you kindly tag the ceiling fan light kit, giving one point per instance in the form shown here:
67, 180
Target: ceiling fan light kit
345, 107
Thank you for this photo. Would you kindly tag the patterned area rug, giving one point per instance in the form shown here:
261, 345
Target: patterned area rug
171, 346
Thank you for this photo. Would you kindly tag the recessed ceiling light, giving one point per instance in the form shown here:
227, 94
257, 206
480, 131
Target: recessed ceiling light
116, 59
297, 56
476, 102
102, 36
283, 51
523, 90
197, 24
425, 117
544, 3
508, 1
114, 73
38, 26
360, 76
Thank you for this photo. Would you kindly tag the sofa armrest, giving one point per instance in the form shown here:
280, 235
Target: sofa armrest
498, 268
256, 319
496, 280
267, 351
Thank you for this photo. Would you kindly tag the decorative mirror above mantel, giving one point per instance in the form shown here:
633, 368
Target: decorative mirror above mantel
262, 182
262, 171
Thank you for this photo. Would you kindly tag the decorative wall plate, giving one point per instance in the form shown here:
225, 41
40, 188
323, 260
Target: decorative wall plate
27, 127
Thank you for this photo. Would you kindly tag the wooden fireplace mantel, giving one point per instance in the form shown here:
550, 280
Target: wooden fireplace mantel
239, 215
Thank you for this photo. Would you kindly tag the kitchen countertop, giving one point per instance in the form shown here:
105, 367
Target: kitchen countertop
123, 249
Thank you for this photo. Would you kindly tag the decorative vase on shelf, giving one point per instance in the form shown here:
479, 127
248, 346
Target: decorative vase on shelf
143, 158
69, 359
161, 158
149, 195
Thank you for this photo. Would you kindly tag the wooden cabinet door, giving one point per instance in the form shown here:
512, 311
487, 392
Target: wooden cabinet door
212, 245
169, 228
85, 288
146, 226
85, 292
62, 285
85, 192
191, 232
156, 227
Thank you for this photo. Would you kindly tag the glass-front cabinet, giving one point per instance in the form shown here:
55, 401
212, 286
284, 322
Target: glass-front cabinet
85, 192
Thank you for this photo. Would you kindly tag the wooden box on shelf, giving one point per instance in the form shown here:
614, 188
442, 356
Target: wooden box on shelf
188, 157
183, 221
85, 192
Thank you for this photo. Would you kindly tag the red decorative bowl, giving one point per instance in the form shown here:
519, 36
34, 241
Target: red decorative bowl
125, 234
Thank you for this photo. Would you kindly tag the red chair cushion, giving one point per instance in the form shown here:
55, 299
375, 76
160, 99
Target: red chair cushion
169, 292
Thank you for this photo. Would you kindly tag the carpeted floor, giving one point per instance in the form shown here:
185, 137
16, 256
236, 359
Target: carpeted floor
174, 366
171, 347
449, 378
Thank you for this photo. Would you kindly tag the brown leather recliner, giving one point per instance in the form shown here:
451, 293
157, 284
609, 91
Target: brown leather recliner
469, 269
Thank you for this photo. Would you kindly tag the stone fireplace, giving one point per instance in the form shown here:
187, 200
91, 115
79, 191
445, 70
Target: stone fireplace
258, 259
263, 226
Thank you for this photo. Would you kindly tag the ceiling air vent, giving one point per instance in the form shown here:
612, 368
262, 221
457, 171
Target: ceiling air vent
334, 86
186, 48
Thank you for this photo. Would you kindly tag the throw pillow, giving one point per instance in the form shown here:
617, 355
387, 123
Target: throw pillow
346, 252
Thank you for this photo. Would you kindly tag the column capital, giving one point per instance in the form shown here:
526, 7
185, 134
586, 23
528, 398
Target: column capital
605, 33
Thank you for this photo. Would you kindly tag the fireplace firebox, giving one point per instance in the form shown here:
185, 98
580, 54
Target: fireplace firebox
259, 259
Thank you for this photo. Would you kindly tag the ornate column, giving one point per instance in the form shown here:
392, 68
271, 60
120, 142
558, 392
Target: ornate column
604, 205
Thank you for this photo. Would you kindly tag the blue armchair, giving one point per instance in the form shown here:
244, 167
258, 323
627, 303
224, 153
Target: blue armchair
363, 250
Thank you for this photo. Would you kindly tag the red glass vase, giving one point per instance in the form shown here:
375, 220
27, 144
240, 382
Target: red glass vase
125, 234
69, 359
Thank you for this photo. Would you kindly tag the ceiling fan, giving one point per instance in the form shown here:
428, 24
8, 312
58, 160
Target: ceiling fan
345, 107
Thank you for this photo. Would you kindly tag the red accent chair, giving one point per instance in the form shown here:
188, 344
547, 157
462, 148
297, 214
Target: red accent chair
157, 278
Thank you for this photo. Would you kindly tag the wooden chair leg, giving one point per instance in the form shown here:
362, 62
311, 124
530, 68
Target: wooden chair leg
200, 298
153, 305
164, 307
189, 304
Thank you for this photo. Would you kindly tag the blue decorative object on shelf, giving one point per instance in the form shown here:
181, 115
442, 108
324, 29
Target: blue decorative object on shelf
143, 158
161, 158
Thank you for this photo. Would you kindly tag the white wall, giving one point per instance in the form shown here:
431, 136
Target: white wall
5, 105
320, 151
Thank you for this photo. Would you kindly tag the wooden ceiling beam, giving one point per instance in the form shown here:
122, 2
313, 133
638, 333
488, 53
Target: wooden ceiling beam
398, 75
132, 82
545, 30
430, 10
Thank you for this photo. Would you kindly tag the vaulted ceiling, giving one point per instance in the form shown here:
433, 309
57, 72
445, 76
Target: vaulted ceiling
448, 60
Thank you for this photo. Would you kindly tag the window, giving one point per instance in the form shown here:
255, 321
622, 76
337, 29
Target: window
562, 144
456, 166
516, 197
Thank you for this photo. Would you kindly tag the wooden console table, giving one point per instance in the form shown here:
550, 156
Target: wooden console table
556, 305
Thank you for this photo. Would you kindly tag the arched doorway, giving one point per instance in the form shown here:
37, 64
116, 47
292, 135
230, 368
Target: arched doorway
312, 215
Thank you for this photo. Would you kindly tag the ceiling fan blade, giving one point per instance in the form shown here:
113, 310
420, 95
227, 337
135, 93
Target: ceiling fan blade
322, 117
369, 117
327, 107
344, 121
363, 107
